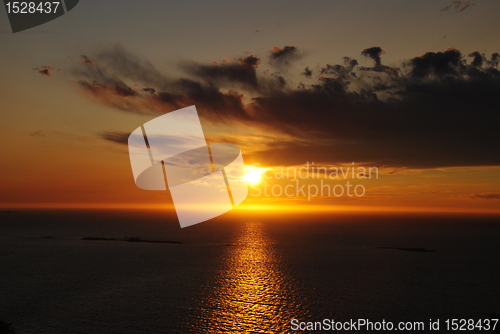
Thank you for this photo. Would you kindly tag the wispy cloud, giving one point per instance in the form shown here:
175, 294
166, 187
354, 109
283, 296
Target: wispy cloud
486, 196
118, 137
458, 5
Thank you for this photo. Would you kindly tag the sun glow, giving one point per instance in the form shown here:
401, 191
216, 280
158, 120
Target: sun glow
253, 174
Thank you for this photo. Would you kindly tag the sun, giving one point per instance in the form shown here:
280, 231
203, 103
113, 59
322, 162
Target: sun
253, 177
254, 174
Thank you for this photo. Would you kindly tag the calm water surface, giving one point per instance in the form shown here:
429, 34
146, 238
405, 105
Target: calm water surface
242, 273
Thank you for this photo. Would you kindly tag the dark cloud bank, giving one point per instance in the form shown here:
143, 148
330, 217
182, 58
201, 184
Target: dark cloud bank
434, 110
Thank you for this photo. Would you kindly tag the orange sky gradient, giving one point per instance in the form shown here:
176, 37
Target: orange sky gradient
61, 134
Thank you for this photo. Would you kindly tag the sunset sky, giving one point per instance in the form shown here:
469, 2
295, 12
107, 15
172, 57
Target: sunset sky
408, 87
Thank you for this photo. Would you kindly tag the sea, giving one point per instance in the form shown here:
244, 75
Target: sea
136, 271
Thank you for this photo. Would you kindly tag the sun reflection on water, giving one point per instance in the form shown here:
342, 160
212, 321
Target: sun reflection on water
252, 294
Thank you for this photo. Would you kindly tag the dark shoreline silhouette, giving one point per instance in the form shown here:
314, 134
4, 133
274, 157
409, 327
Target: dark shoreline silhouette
6, 328
409, 249
99, 239
133, 240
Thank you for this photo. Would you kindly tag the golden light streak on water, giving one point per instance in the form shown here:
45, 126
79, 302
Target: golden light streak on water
252, 293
